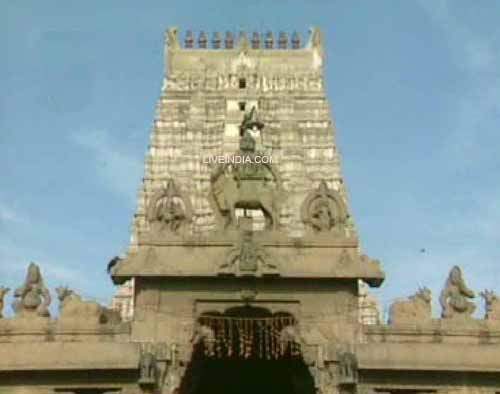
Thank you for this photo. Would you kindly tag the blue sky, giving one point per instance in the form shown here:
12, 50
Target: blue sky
414, 88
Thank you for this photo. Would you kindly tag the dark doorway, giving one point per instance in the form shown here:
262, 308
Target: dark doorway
253, 377
247, 350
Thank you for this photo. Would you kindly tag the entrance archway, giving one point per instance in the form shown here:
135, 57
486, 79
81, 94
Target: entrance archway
247, 350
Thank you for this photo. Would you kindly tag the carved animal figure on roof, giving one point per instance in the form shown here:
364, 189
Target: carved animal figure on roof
492, 305
417, 308
72, 306
3, 291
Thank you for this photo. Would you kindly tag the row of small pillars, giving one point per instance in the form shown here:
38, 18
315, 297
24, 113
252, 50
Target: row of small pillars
257, 41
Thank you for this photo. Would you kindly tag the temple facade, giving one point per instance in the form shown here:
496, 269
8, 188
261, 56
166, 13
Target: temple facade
245, 273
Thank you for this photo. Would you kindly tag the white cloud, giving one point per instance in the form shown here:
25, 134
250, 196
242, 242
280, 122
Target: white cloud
120, 170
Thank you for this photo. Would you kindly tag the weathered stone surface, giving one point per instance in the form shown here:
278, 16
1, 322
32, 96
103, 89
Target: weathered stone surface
416, 309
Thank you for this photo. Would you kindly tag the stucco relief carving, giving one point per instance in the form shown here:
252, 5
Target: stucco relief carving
347, 368
248, 258
454, 296
169, 211
3, 292
32, 298
324, 211
416, 309
147, 369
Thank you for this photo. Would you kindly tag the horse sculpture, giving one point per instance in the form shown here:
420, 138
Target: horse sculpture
247, 183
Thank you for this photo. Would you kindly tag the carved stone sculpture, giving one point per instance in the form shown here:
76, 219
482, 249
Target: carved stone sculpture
348, 368
169, 210
72, 307
323, 210
417, 308
290, 337
147, 369
3, 291
248, 258
32, 298
247, 184
454, 297
491, 305
172, 38
204, 334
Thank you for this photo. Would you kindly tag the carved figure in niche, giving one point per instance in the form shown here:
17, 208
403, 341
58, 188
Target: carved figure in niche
249, 183
32, 296
348, 367
168, 210
3, 291
417, 308
491, 305
248, 257
454, 297
323, 210
71, 306
147, 368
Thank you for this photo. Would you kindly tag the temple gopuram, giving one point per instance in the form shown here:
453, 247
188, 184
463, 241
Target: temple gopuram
245, 261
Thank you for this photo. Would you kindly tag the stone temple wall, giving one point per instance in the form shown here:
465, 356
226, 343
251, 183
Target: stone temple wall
204, 97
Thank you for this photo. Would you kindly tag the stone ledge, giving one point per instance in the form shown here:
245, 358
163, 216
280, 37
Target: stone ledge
429, 356
68, 356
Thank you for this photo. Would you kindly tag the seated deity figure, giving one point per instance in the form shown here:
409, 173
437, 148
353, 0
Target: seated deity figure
322, 218
454, 297
168, 211
32, 296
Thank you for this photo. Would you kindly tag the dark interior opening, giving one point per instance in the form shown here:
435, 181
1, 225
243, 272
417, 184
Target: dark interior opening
256, 372
243, 83
242, 105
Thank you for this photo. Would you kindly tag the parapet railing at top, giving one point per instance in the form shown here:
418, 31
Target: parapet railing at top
228, 41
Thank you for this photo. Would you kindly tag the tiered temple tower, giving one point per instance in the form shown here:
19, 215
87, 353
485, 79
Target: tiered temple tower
243, 218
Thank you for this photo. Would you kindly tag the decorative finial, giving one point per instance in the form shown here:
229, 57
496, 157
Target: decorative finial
202, 40
283, 40
269, 42
255, 40
229, 41
216, 40
295, 40
189, 40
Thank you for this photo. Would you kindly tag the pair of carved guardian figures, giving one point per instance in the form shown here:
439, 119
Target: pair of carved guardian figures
454, 301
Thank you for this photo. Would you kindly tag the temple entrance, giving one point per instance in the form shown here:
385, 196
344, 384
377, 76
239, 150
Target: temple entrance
247, 350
